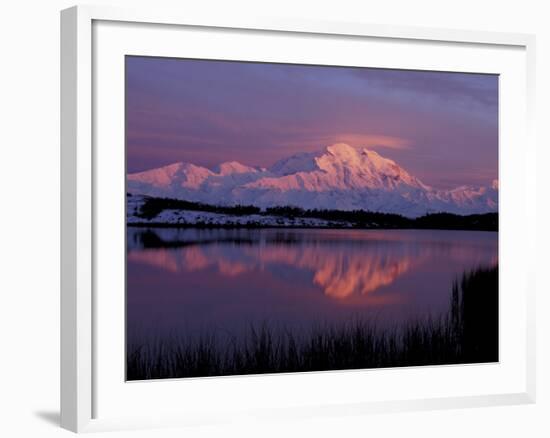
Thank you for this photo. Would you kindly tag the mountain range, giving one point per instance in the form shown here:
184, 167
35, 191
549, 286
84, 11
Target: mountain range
340, 177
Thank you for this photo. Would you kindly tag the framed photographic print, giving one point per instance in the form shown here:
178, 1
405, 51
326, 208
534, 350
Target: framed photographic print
253, 209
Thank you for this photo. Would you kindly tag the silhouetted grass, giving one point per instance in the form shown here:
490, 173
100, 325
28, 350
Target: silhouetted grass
467, 333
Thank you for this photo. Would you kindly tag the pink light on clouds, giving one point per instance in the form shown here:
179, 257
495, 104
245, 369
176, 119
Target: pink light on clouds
442, 127
370, 141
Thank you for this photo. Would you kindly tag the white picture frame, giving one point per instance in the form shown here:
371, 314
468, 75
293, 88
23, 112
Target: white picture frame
83, 173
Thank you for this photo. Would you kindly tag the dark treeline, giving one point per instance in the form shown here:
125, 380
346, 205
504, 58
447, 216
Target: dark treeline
467, 333
153, 206
357, 218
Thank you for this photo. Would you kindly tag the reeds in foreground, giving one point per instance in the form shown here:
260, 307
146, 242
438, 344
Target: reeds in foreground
467, 333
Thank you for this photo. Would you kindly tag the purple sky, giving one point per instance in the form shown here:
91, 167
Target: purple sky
442, 127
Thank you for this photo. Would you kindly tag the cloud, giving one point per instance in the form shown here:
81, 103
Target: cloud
463, 88
371, 141
443, 127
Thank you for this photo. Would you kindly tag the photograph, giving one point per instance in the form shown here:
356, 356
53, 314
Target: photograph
291, 218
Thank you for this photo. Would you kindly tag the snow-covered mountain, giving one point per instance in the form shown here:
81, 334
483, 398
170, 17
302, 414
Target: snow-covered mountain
339, 177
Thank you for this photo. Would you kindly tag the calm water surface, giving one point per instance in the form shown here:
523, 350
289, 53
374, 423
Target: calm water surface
187, 282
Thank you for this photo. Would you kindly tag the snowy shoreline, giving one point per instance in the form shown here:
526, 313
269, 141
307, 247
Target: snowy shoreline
187, 218
144, 211
339, 177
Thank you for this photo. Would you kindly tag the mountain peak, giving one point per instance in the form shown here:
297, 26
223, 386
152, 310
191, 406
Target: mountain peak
231, 167
338, 177
342, 150
302, 161
350, 155
371, 153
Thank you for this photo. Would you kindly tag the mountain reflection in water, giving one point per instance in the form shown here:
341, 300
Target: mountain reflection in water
226, 277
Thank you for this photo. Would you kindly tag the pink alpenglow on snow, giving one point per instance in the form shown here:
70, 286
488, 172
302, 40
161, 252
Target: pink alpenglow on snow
338, 177
440, 126
256, 231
